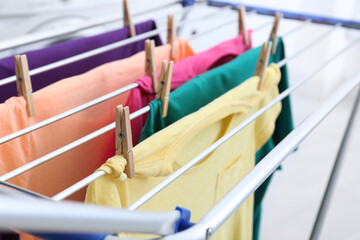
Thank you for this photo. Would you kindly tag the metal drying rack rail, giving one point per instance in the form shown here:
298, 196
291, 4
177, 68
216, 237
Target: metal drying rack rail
41, 36
54, 217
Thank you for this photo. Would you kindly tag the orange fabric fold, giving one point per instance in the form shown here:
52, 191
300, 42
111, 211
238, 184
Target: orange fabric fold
63, 171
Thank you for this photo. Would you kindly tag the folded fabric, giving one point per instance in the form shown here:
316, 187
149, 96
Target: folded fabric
204, 88
70, 48
183, 71
54, 176
207, 182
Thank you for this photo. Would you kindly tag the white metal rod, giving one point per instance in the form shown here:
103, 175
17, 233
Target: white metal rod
302, 50
85, 55
232, 20
37, 215
227, 136
77, 186
66, 148
213, 220
233, 200
301, 25
69, 112
66, 114
97, 51
89, 104
146, 197
210, 15
37, 37
335, 172
97, 133
17, 189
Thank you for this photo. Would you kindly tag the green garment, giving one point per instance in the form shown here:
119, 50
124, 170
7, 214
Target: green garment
203, 89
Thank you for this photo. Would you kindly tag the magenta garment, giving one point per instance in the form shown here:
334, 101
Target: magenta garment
41, 57
183, 71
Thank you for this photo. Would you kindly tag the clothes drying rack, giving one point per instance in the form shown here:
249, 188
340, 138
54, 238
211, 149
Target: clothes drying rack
35, 213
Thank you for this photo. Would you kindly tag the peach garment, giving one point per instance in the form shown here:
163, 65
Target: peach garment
63, 171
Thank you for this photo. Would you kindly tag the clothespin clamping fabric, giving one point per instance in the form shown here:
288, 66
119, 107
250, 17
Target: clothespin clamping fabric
150, 64
273, 35
242, 26
23, 83
262, 63
127, 18
165, 84
123, 139
171, 34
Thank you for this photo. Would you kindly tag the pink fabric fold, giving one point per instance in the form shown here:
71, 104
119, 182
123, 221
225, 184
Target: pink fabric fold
183, 71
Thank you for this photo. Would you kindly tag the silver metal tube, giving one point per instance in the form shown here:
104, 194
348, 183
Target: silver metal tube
66, 148
37, 37
264, 25
223, 9
37, 215
66, 114
233, 199
225, 207
71, 111
223, 139
308, 46
77, 186
232, 20
197, 159
85, 55
295, 29
325, 203
96, 51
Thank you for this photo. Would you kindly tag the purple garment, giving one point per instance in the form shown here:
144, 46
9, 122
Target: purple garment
9, 236
41, 57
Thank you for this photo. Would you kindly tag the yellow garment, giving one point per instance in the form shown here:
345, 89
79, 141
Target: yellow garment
206, 183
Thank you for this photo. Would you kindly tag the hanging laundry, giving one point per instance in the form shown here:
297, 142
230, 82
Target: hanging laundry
56, 175
183, 71
71, 48
206, 183
203, 89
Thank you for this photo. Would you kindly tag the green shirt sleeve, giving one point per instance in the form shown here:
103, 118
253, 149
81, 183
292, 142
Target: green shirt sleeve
204, 88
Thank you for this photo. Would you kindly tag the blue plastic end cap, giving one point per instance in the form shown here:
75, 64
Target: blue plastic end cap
184, 220
187, 3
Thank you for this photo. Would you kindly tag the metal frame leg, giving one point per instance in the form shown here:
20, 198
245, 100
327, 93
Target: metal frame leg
320, 218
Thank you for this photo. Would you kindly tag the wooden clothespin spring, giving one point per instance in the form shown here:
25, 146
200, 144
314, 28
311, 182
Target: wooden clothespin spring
171, 34
123, 139
262, 63
127, 18
273, 35
150, 64
23, 83
242, 26
165, 85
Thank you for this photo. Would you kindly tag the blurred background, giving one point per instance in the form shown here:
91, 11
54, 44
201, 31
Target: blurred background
293, 199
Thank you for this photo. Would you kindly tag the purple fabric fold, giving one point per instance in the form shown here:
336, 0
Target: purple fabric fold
41, 57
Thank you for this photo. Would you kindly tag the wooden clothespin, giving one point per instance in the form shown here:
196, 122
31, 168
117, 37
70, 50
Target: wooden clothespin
150, 64
242, 27
262, 63
123, 139
273, 35
127, 18
162, 78
165, 85
171, 34
23, 83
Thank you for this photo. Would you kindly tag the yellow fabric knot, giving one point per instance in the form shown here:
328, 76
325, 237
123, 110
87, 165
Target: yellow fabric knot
115, 166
